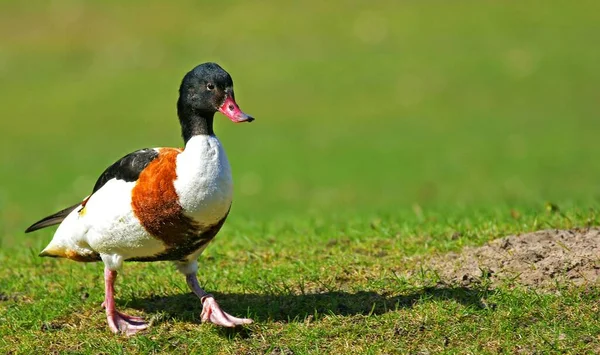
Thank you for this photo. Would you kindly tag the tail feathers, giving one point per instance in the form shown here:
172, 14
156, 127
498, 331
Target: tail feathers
54, 250
52, 220
50, 253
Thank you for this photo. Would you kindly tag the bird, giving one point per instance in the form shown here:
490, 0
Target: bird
159, 204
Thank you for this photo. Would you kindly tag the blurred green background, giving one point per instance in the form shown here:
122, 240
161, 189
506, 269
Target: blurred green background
362, 107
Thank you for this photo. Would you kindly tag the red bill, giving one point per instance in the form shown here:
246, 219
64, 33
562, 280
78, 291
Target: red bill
232, 110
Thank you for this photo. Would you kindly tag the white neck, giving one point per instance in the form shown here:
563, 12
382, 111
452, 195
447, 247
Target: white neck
204, 183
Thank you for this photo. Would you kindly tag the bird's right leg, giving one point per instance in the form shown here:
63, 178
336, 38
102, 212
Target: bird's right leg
211, 311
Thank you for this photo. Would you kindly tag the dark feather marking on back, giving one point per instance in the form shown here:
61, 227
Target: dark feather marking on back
127, 168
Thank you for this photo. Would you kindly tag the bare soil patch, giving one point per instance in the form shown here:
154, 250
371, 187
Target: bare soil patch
542, 260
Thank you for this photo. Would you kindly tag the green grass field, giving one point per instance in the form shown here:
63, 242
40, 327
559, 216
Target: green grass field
386, 132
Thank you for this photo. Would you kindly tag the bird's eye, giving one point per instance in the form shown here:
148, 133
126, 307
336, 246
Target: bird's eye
210, 86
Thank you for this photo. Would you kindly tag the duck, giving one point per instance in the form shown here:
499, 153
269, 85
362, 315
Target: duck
159, 204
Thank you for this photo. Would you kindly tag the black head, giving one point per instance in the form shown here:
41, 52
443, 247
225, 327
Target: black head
206, 89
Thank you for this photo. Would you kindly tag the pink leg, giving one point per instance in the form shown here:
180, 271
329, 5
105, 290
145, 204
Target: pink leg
117, 321
211, 312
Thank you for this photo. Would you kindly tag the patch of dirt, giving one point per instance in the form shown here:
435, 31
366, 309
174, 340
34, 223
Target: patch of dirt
541, 259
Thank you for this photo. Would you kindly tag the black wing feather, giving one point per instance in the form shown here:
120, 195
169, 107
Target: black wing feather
127, 168
52, 220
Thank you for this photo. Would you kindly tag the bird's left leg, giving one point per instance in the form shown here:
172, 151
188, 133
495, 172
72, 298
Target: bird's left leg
211, 311
117, 321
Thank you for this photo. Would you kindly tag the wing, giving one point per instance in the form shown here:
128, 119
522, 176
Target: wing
127, 168
52, 219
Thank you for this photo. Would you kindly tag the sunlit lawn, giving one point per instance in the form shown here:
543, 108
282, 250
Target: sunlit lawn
385, 132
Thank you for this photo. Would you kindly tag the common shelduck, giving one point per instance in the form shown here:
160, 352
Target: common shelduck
160, 203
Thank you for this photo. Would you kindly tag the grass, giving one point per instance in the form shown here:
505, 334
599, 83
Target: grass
385, 133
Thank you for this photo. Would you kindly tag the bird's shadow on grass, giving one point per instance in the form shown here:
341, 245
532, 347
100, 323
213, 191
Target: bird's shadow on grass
299, 308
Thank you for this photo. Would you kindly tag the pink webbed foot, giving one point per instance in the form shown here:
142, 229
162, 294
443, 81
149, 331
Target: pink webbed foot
211, 312
122, 323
